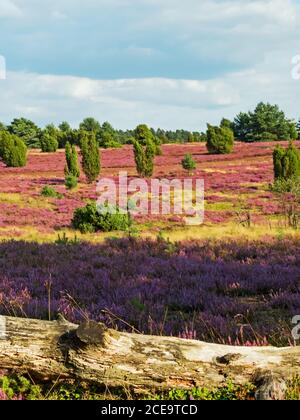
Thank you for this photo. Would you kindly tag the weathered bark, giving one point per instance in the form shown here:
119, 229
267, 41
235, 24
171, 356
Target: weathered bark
92, 353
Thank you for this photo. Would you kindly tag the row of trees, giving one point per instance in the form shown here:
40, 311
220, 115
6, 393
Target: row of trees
145, 145
266, 123
179, 136
51, 137
13, 152
90, 160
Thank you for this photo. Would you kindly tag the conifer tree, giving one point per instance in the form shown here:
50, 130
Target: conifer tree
143, 134
286, 162
49, 144
220, 140
72, 166
90, 155
145, 151
149, 158
139, 156
13, 150
188, 163
278, 156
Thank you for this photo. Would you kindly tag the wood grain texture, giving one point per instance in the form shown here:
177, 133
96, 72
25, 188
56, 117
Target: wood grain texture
94, 354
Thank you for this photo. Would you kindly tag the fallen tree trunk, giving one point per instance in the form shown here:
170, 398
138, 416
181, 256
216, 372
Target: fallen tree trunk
94, 354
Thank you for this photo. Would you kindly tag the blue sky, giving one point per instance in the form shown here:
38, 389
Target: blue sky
168, 63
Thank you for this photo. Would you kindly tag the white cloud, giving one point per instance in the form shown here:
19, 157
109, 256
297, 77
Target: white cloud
239, 51
113, 32
33, 89
168, 103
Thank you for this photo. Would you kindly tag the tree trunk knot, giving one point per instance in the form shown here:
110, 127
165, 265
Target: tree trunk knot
93, 333
228, 358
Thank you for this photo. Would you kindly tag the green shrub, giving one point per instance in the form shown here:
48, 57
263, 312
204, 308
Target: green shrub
286, 162
108, 138
27, 131
16, 387
227, 123
72, 166
50, 192
278, 156
143, 134
266, 123
228, 392
290, 185
220, 140
139, 157
150, 153
13, 150
262, 137
71, 182
64, 240
188, 163
49, 143
90, 155
145, 149
293, 391
144, 158
67, 135
112, 144
92, 219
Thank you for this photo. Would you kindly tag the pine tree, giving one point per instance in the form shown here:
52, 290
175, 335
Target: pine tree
72, 166
188, 163
49, 144
90, 155
286, 162
220, 140
278, 156
139, 156
71, 182
144, 157
13, 150
150, 153
266, 123
143, 134
292, 162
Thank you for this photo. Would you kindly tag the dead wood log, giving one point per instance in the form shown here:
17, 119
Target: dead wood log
94, 354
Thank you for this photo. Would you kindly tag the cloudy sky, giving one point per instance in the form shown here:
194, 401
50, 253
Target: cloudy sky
168, 63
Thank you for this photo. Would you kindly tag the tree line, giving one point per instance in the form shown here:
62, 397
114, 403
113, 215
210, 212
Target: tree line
146, 146
266, 123
51, 138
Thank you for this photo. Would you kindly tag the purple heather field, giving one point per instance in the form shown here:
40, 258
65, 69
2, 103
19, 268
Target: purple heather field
242, 293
